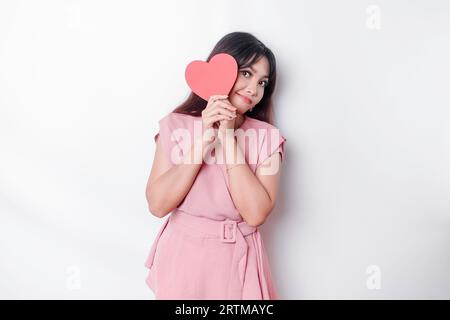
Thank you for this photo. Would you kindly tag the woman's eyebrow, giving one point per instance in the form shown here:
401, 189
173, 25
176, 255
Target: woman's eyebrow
255, 71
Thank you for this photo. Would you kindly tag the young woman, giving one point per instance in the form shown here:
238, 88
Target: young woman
210, 246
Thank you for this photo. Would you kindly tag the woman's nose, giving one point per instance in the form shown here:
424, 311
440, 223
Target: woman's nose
251, 89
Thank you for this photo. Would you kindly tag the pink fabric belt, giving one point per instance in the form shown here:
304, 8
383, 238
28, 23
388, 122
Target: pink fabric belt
227, 231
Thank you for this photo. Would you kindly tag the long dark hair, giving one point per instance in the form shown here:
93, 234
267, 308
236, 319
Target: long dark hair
246, 49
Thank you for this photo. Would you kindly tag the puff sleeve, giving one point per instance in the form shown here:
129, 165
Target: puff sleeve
273, 142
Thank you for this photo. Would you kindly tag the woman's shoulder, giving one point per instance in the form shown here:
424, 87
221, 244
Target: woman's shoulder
268, 137
262, 125
176, 115
178, 120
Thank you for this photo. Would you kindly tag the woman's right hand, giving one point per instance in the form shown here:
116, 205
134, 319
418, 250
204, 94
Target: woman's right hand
215, 111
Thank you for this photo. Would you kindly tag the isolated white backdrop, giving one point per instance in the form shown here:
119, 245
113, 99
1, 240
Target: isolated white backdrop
362, 98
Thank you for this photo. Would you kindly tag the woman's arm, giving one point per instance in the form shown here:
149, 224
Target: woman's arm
254, 195
168, 184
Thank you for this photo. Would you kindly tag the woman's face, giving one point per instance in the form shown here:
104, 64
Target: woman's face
248, 89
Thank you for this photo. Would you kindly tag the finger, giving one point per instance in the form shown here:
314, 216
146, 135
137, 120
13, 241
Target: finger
213, 99
227, 102
220, 117
219, 107
213, 110
220, 96
227, 106
216, 97
222, 110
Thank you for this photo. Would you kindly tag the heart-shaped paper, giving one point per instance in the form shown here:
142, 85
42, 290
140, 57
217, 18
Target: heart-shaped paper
215, 77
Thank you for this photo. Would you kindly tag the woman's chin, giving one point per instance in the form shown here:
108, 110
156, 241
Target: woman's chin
239, 109
239, 104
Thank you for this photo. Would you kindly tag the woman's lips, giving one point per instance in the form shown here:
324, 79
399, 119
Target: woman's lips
245, 98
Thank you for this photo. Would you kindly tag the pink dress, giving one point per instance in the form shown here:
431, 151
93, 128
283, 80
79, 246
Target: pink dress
204, 249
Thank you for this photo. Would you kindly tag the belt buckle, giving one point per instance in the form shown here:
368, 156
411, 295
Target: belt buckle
222, 230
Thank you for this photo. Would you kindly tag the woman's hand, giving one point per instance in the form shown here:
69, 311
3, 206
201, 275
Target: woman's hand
227, 123
217, 111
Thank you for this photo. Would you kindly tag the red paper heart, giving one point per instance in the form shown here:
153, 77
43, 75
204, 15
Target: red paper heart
215, 77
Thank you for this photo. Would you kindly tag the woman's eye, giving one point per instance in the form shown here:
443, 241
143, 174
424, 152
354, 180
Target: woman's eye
244, 72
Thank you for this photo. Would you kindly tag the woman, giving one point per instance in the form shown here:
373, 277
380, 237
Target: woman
210, 246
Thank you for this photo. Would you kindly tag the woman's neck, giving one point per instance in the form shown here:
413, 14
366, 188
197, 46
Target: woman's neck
239, 120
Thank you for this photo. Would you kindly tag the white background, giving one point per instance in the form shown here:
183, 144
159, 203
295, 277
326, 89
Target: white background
362, 99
